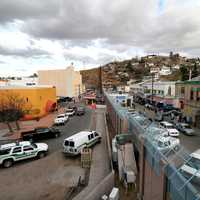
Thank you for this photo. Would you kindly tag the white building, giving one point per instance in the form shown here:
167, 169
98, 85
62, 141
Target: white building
20, 81
165, 71
160, 88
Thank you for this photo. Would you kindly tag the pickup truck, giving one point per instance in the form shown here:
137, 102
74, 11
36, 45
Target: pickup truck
40, 133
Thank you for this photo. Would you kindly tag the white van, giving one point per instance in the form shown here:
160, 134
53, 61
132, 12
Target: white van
75, 143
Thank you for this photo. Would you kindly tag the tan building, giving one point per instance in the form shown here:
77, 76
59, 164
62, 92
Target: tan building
68, 82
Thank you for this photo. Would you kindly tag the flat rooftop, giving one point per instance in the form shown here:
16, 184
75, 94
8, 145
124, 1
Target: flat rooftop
13, 87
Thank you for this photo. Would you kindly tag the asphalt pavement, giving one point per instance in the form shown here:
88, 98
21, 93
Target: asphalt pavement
74, 125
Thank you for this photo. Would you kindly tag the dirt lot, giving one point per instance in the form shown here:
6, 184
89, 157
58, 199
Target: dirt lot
28, 183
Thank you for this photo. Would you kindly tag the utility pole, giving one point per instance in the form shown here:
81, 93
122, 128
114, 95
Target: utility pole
152, 83
100, 80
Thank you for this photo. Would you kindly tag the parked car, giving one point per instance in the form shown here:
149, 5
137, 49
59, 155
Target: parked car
72, 106
160, 105
10, 153
169, 107
185, 128
40, 133
149, 106
170, 128
75, 143
80, 111
166, 143
61, 119
158, 117
191, 167
69, 112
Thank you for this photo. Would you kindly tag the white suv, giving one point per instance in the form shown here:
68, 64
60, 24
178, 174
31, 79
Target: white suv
170, 128
69, 112
191, 167
10, 153
165, 143
61, 119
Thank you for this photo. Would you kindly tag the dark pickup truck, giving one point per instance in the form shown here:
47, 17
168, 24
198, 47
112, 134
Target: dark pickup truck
40, 133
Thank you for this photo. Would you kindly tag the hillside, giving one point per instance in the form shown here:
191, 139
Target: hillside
119, 72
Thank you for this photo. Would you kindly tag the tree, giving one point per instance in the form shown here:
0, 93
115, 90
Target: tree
184, 73
195, 71
11, 109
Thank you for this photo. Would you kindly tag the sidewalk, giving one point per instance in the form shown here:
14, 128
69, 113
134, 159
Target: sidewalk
46, 121
100, 167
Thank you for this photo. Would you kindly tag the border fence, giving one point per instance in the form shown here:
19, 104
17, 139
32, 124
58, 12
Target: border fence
160, 176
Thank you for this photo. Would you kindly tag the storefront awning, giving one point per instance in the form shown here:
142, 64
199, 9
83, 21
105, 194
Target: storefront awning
196, 89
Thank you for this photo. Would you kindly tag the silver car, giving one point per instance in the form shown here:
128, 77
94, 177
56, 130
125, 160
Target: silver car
185, 128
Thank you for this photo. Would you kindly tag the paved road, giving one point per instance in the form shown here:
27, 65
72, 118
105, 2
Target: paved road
74, 125
47, 178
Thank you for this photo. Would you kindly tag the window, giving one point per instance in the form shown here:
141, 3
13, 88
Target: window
17, 150
28, 148
169, 91
182, 90
26, 99
90, 136
71, 144
191, 95
198, 95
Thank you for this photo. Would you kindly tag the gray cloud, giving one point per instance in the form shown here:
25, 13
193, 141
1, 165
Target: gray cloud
23, 9
87, 19
26, 53
124, 27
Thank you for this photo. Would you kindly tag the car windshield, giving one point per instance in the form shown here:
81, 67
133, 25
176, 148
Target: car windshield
69, 110
170, 126
34, 145
187, 126
60, 116
194, 162
4, 151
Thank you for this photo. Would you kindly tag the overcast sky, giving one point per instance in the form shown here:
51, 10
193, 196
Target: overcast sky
48, 34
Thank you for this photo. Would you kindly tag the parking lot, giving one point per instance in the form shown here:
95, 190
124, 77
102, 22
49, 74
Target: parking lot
50, 177
191, 143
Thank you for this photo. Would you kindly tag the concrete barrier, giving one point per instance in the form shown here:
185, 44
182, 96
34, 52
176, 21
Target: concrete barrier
104, 187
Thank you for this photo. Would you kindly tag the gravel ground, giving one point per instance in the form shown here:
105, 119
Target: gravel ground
48, 178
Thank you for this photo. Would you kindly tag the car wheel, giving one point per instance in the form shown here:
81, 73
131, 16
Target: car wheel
41, 154
8, 163
176, 148
56, 135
